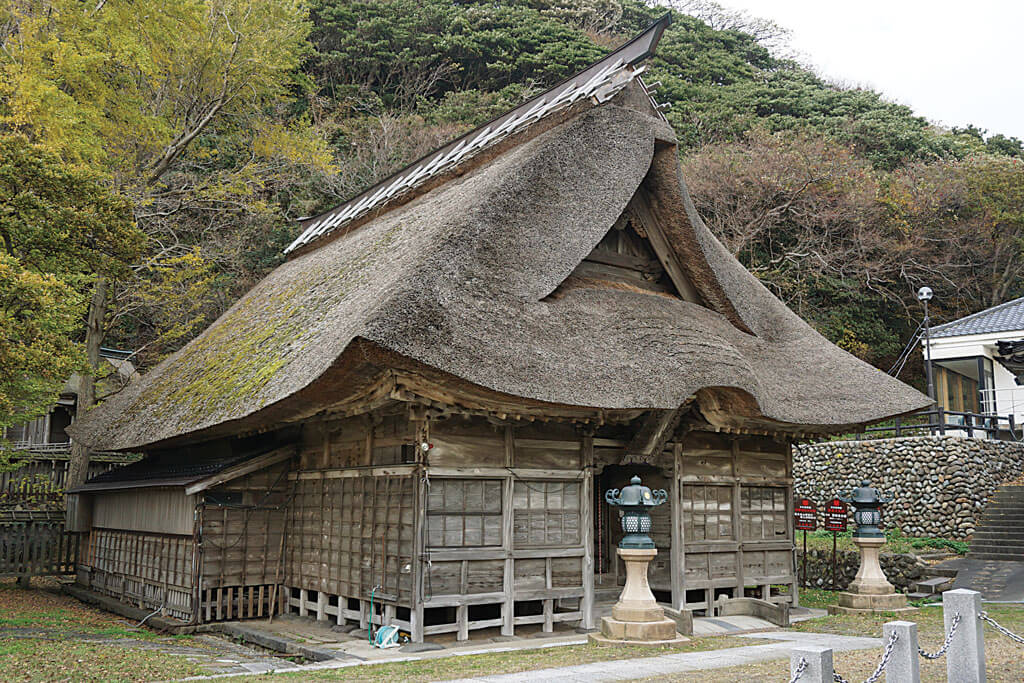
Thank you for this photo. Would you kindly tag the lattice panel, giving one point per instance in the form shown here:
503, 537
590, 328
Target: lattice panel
464, 513
348, 535
545, 513
707, 512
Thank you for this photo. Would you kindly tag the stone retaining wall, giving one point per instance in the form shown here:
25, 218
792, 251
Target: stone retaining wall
901, 570
941, 483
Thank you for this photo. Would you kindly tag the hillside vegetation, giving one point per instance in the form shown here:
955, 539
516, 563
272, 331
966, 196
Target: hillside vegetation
196, 135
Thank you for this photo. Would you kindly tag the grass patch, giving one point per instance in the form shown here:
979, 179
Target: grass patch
895, 542
43, 660
816, 597
45, 608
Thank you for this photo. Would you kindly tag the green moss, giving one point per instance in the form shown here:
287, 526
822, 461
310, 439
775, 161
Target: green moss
242, 353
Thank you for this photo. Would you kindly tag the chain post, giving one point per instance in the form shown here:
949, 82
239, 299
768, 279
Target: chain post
965, 656
903, 666
810, 664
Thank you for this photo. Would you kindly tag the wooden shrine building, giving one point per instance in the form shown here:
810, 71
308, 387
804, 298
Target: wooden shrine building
426, 401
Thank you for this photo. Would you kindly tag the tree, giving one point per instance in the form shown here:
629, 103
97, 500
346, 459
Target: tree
39, 318
60, 225
130, 87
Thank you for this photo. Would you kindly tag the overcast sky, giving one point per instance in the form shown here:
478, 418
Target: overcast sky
954, 63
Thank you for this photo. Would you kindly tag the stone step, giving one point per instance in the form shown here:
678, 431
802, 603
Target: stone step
1014, 557
939, 570
1011, 546
915, 597
996, 548
1002, 518
994, 534
934, 585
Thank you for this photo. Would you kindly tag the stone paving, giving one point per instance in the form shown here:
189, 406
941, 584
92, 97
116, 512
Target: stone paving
633, 669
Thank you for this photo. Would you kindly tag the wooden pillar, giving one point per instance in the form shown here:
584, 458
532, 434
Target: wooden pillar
587, 510
420, 541
508, 583
736, 519
321, 605
419, 554
795, 585
677, 551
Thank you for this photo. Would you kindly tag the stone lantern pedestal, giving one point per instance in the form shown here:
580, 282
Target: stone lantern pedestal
636, 618
870, 591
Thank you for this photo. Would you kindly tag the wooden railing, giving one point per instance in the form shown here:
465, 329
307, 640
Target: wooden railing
39, 479
940, 421
36, 546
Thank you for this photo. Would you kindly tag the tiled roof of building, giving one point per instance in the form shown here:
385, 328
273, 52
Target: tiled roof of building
1007, 317
160, 472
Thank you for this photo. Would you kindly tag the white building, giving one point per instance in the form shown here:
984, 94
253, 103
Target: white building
978, 364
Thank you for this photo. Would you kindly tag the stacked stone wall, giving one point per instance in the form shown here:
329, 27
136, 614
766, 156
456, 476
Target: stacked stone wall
941, 483
902, 570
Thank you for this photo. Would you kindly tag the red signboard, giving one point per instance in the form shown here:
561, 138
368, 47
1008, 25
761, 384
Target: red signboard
835, 515
806, 514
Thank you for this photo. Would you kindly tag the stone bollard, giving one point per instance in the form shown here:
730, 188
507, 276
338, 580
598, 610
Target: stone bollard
819, 664
903, 666
965, 659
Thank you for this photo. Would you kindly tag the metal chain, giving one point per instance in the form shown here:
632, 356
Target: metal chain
800, 668
945, 645
1009, 634
873, 678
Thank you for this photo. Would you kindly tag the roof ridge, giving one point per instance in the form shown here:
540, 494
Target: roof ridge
601, 81
977, 314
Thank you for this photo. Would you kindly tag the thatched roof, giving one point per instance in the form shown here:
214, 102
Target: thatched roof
458, 280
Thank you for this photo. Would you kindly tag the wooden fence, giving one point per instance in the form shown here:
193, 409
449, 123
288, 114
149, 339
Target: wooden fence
38, 480
37, 547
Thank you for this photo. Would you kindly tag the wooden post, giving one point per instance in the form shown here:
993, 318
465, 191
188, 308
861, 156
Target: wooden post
587, 505
508, 583
737, 522
790, 527
677, 555
419, 553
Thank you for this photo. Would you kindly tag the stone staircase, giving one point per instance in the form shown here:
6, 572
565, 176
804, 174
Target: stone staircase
1000, 533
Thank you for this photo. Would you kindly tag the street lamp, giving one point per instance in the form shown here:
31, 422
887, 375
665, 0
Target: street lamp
924, 295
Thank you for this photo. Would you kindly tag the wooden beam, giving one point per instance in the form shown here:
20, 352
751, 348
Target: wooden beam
663, 250
241, 469
652, 436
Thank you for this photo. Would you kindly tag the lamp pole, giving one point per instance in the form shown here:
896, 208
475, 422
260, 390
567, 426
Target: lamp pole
924, 295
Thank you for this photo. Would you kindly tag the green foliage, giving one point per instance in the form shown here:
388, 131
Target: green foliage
958, 547
61, 219
39, 317
59, 225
